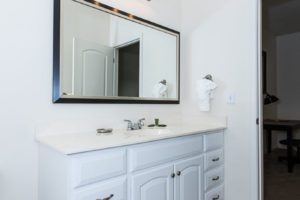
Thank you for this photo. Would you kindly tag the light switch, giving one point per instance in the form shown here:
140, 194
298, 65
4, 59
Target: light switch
231, 98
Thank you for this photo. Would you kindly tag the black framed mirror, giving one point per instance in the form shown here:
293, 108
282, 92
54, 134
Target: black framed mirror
105, 55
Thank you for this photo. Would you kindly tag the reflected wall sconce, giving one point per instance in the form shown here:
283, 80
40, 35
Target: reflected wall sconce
269, 99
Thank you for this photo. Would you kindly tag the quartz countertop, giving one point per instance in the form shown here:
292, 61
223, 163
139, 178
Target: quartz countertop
72, 143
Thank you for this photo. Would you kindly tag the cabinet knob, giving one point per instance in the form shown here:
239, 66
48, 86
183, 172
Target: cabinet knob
173, 175
107, 198
216, 198
215, 159
216, 178
178, 173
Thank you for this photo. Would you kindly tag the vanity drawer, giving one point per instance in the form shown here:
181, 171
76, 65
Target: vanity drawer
215, 194
116, 189
213, 141
97, 166
152, 154
214, 178
213, 159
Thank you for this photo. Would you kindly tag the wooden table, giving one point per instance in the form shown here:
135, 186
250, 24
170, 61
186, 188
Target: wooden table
282, 125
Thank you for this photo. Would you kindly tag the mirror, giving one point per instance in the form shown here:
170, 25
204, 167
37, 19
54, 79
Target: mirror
102, 54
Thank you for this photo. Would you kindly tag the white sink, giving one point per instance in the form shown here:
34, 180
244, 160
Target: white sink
151, 131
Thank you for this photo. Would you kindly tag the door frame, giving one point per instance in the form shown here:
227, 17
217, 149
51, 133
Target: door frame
260, 103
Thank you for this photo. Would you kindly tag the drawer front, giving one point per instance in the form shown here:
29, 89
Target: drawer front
215, 194
213, 141
214, 178
155, 153
214, 159
97, 166
109, 190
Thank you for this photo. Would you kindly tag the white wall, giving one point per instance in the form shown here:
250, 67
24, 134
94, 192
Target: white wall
219, 38
288, 70
284, 16
26, 86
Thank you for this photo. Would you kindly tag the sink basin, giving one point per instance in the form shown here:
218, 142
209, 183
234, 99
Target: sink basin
151, 131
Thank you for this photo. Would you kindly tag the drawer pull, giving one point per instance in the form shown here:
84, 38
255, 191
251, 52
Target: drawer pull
107, 198
215, 159
178, 173
216, 198
216, 178
173, 175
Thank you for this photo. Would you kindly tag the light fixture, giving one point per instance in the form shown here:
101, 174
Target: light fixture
269, 99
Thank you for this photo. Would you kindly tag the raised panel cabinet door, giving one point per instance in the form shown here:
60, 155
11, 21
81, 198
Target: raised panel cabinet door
154, 184
189, 179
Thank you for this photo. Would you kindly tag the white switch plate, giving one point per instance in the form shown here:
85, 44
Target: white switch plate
231, 98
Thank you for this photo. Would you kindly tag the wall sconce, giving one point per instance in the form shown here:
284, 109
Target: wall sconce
269, 99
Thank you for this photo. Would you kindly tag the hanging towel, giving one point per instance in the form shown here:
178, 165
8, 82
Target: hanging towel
205, 89
160, 91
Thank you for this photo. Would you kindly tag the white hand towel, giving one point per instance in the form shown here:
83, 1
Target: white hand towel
160, 91
205, 88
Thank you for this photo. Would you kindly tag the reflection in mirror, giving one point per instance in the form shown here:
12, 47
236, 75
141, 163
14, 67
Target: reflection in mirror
109, 56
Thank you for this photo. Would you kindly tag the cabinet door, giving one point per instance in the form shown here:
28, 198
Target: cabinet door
189, 179
154, 184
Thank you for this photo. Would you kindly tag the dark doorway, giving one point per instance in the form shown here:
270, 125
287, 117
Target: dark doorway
129, 70
281, 109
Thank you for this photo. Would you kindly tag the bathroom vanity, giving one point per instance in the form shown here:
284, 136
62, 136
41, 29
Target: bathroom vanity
104, 55
183, 164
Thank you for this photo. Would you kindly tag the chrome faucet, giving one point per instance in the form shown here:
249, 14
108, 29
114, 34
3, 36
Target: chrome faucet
135, 126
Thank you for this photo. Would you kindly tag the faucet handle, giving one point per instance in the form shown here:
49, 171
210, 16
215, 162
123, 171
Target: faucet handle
143, 119
141, 122
129, 126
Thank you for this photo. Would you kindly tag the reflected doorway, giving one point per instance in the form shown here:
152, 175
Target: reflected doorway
128, 70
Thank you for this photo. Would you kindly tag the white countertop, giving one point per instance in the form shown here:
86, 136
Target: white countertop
72, 143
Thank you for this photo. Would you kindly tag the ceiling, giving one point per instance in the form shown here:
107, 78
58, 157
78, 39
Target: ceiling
281, 16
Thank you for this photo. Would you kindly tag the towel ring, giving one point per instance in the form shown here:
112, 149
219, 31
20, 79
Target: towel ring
164, 82
208, 77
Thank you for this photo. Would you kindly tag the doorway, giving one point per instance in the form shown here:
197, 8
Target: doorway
280, 56
128, 69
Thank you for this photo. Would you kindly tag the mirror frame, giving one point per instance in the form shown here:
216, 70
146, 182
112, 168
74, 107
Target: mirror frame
59, 98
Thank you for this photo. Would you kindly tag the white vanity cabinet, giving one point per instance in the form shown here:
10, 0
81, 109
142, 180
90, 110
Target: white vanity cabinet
182, 168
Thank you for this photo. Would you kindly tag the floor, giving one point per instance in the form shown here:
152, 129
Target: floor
279, 184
